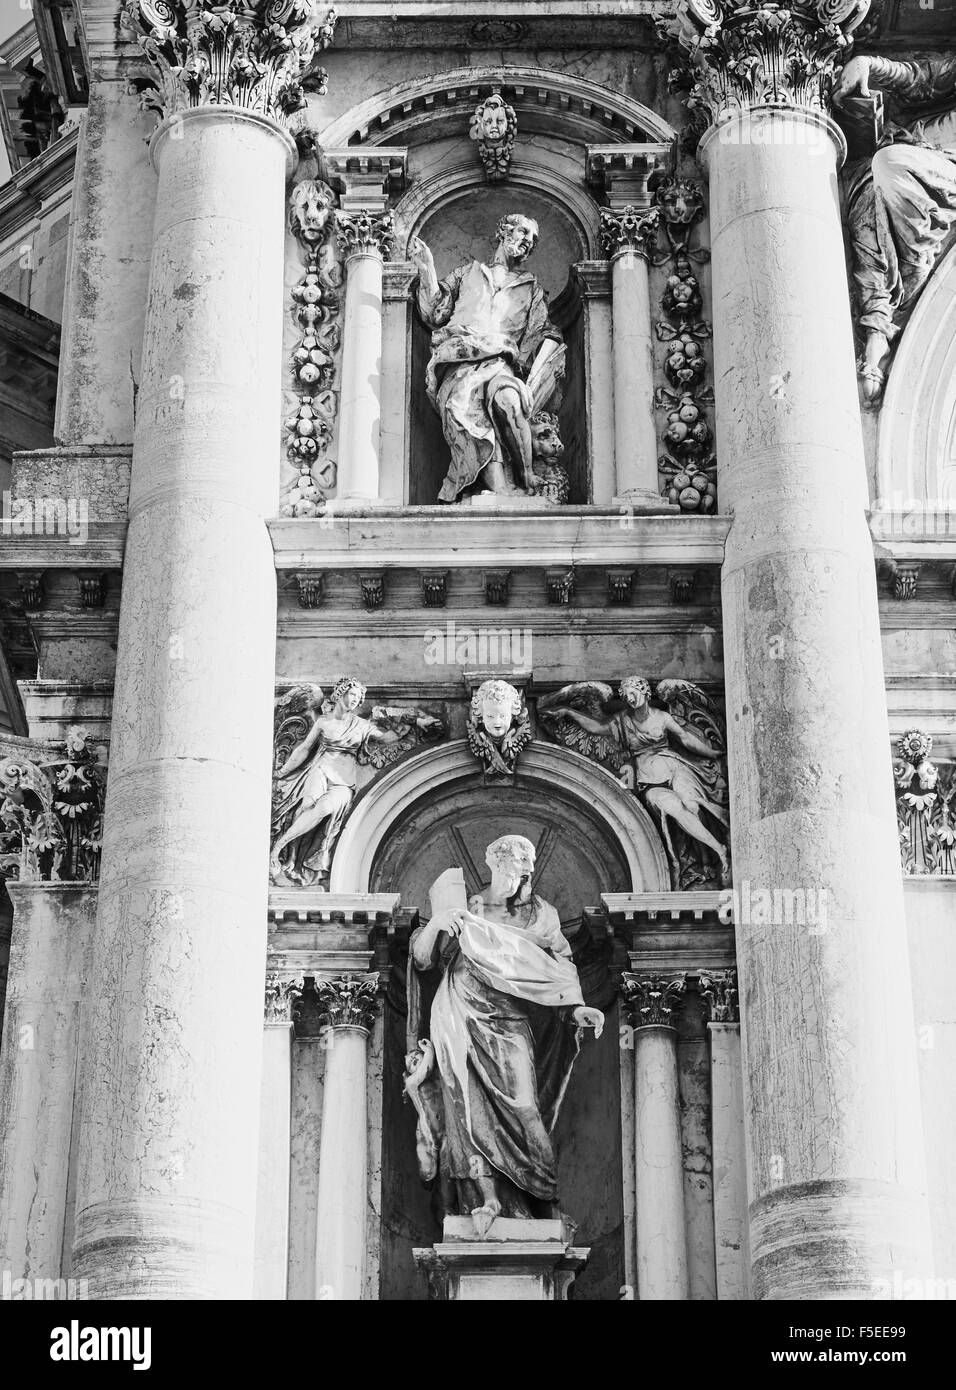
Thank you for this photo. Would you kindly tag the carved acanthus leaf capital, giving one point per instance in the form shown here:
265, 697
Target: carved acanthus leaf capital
246, 54
718, 989
631, 229
362, 233
349, 1001
280, 999
652, 1000
740, 54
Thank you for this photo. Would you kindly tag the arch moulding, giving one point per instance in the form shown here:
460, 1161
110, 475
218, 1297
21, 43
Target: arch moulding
393, 796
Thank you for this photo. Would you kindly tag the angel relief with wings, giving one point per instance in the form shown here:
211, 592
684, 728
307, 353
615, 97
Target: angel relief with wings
321, 745
671, 758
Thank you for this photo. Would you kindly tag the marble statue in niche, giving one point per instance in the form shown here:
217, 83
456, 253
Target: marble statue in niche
499, 727
489, 1061
901, 201
672, 758
495, 362
319, 746
493, 128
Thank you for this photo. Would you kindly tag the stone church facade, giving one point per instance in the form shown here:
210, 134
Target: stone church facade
318, 578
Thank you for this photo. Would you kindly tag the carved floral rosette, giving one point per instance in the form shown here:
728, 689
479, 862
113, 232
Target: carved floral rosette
688, 470
310, 429
736, 55
925, 806
51, 828
248, 54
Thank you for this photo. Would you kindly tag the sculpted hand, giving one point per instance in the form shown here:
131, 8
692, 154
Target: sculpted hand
586, 1017
854, 80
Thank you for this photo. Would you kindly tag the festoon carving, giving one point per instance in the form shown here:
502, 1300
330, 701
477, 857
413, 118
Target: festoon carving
309, 431
925, 806
51, 828
247, 54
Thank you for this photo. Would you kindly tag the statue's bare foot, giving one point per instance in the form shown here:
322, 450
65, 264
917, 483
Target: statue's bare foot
484, 1217
873, 365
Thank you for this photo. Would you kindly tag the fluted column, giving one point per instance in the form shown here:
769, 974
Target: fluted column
834, 1129
628, 237
166, 1184
652, 1001
350, 1005
364, 239
719, 992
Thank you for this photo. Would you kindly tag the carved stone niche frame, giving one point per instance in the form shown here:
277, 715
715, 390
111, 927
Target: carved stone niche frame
559, 118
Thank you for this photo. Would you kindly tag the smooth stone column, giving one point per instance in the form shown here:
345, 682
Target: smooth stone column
719, 993
659, 1170
114, 196
52, 928
834, 1134
275, 1143
341, 1239
364, 238
167, 1172
628, 237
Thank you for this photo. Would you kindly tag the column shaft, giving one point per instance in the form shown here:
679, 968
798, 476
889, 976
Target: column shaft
360, 403
661, 1239
635, 435
730, 1163
832, 1092
275, 1139
167, 1172
343, 1169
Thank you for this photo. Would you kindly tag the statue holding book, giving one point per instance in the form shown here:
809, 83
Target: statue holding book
495, 1019
495, 363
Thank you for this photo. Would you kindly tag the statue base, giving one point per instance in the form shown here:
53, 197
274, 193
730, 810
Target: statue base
507, 502
644, 502
516, 1259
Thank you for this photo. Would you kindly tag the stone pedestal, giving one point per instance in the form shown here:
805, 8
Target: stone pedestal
517, 1261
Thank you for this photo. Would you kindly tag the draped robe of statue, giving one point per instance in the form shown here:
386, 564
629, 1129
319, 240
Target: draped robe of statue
901, 204
485, 337
504, 1046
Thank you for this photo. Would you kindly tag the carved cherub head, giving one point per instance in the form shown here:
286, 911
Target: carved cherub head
495, 706
349, 692
517, 236
310, 211
635, 691
494, 121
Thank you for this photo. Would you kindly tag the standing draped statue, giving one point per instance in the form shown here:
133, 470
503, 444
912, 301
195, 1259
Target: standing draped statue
901, 204
490, 1061
495, 360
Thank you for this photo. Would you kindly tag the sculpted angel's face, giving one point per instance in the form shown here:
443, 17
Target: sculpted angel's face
637, 693
496, 715
494, 120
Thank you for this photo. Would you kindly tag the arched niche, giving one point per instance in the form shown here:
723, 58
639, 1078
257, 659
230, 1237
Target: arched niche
917, 441
378, 844
449, 202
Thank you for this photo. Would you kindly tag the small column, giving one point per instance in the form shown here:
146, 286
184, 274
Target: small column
652, 1001
364, 239
719, 992
834, 1131
350, 1005
52, 927
275, 1128
628, 238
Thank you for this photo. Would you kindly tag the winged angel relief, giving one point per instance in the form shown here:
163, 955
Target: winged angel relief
672, 759
321, 748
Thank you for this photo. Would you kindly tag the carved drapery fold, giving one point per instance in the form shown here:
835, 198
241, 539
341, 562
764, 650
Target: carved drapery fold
248, 54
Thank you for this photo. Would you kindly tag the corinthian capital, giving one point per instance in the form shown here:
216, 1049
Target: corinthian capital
348, 1001
631, 229
359, 233
718, 989
652, 1000
247, 54
741, 54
